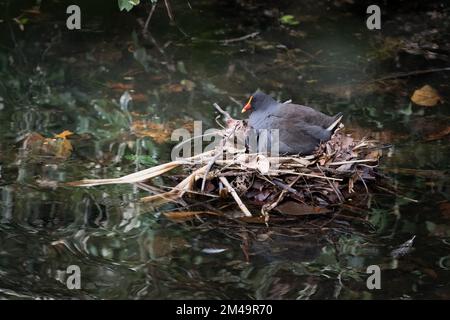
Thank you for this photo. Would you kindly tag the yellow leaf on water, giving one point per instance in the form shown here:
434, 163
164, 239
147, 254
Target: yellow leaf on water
426, 96
64, 134
59, 146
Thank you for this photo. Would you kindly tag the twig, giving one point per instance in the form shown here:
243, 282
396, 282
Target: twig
216, 119
281, 196
303, 174
397, 194
351, 161
235, 196
213, 159
169, 9
235, 101
336, 190
225, 114
209, 166
248, 36
363, 181
286, 187
411, 73
149, 17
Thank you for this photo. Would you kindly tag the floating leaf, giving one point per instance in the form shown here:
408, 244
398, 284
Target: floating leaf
64, 134
159, 132
426, 96
59, 146
438, 134
119, 86
184, 85
289, 19
173, 88
139, 97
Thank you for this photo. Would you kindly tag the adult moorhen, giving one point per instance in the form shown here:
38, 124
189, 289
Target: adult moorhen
301, 128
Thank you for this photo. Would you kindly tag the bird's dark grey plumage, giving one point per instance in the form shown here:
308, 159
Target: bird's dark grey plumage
301, 128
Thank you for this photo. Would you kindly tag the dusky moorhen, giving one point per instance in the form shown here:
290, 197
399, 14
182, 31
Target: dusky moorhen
301, 128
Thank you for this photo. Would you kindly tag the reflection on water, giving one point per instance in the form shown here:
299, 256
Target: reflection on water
58, 81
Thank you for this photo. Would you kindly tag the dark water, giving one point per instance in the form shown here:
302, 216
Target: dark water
52, 80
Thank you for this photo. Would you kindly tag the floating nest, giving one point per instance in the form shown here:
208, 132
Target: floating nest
263, 187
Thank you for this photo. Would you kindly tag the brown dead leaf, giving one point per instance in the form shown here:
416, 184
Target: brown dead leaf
119, 86
139, 97
438, 135
299, 209
33, 141
184, 85
173, 88
426, 96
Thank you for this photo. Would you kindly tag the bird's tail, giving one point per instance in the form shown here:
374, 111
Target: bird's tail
335, 123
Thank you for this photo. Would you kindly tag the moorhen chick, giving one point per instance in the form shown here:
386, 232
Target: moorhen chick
301, 128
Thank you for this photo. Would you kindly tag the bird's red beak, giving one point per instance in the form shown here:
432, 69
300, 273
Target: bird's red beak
248, 106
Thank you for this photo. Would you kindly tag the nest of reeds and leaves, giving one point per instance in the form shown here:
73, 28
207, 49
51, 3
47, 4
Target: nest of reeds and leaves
255, 187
